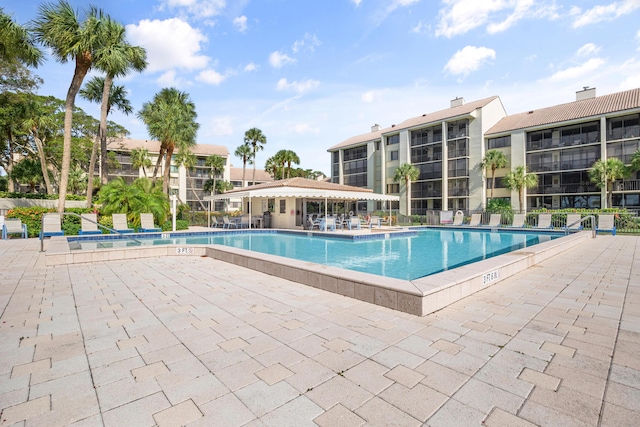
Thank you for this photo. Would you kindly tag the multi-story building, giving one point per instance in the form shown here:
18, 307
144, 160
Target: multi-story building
559, 144
188, 185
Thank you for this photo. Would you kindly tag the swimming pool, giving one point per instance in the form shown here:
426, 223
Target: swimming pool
405, 256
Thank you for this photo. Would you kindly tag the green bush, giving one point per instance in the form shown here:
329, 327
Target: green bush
181, 224
32, 216
7, 195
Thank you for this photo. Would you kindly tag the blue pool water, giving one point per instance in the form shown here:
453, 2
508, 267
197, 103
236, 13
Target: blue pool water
406, 257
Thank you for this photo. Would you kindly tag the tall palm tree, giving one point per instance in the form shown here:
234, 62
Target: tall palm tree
93, 91
256, 140
494, 159
280, 159
290, 157
406, 173
519, 180
141, 196
170, 118
116, 58
604, 172
244, 152
271, 166
216, 163
58, 27
140, 159
16, 44
635, 161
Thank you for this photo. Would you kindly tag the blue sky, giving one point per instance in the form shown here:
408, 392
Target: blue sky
311, 74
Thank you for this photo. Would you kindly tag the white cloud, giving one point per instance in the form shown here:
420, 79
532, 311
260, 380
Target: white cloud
250, 67
356, 2
304, 129
299, 87
309, 43
277, 59
588, 67
240, 23
383, 12
587, 49
221, 126
458, 17
606, 13
169, 79
170, 44
198, 8
371, 96
418, 27
468, 60
211, 77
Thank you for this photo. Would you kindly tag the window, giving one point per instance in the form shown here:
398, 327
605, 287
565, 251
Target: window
457, 129
377, 145
335, 156
500, 142
393, 139
426, 136
623, 127
271, 205
393, 155
283, 206
393, 188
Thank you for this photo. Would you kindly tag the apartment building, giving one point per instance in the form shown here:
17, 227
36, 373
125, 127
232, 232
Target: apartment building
446, 146
558, 143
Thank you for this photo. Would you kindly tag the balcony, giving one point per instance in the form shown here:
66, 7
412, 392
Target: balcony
627, 185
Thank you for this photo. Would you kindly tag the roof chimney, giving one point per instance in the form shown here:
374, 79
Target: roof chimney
457, 102
586, 93
375, 128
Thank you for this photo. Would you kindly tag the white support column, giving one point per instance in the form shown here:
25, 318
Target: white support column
445, 169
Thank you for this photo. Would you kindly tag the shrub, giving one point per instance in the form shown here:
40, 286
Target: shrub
181, 224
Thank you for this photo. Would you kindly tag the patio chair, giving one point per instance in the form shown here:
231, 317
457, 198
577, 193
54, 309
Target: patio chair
328, 224
214, 222
494, 220
458, 218
573, 222
544, 221
518, 221
14, 226
51, 226
244, 221
147, 225
120, 223
606, 223
475, 220
226, 223
374, 221
89, 224
354, 223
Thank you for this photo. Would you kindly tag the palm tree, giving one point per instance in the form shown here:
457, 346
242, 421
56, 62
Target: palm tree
16, 44
141, 196
290, 157
170, 118
77, 180
216, 163
140, 159
406, 173
280, 160
635, 161
39, 123
519, 179
256, 140
604, 172
244, 152
116, 58
494, 159
93, 91
59, 28
186, 158
271, 167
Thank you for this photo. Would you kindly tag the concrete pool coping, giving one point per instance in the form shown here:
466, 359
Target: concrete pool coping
418, 297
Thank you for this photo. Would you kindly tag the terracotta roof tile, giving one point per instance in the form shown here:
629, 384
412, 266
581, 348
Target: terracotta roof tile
129, 144
425, 119
592, 107
261, 175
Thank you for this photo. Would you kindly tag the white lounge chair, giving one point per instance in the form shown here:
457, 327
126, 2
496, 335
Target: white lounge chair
573, 222
374, 221
147, 225
544, 221
458, 218
354, 223
518, 221
475, 220
89, 224
606, 223
227, 223
51, 226
244, 221
494, 220
328, 224
120, 223
14, 226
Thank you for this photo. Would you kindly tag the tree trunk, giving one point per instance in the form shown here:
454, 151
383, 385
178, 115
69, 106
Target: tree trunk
158, 163
244, 168
11, 182
493, 181
104, 112
520, 194
167, 169
43, 163
92, 166
408, 187
83, 62
253, 180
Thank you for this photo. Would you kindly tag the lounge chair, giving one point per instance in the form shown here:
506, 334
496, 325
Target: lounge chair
518, 221
606, 223
120, 223
544, 221
458, 218
89, 224
328, 224
244, 221
14, 226
494, 220
214, 222
147, 225
374, 221
475, 220
51, 226
354, 223
573, 222
226, 223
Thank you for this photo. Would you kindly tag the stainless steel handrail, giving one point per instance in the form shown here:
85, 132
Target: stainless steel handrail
581, 220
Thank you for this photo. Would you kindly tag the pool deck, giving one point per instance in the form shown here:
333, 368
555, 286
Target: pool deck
195, 341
